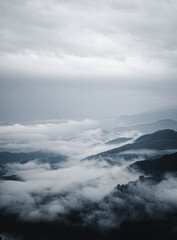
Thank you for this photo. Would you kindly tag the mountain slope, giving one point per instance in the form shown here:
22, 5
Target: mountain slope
151, 116
151, 127
22, 157
160, 140
43, 157
167, 163
118, 140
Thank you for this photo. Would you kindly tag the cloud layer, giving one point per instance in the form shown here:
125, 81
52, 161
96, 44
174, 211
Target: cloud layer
108, 38
44, 192
75, 139
41, 193
71, 56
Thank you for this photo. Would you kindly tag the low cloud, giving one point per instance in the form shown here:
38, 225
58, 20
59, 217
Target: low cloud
137, 201
44, 193
52, 195
75, 139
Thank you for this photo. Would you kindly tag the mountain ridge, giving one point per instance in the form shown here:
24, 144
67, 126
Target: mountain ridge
151, 127
160, 140
159, 166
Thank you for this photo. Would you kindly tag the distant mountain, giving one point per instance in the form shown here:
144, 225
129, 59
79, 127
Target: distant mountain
151, 127
11, 178
43, 157
170, 113
118, 140
21, 157
160, 140
167, 163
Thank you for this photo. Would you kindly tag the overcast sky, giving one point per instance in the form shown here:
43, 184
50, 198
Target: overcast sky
80, 59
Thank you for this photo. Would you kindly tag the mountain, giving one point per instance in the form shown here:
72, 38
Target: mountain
151, 127
167, 163
142, 210
147, 117
136, 210
118, 140
160, 140
43, 157
22, 157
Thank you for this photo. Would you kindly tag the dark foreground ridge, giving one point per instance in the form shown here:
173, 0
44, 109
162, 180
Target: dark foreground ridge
136, 215
138, 230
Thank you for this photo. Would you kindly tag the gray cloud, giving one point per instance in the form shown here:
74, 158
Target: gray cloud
88, 28
123, 50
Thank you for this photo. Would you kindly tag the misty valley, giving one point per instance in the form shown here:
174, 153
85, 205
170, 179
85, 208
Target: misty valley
82, 180
88, 119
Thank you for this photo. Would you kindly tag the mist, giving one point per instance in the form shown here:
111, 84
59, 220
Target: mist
69, 181
76, 139
77, 78
45, 192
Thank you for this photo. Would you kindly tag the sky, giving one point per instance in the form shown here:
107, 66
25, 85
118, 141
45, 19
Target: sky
86, 59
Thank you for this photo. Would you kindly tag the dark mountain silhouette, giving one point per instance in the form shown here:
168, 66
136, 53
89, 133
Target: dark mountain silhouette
133, 219
129, 230
129, 204
135, 206
11, 178
167, 163
160, 140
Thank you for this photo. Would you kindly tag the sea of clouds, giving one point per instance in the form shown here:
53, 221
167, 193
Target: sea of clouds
76, 139
67, 186
44, 193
